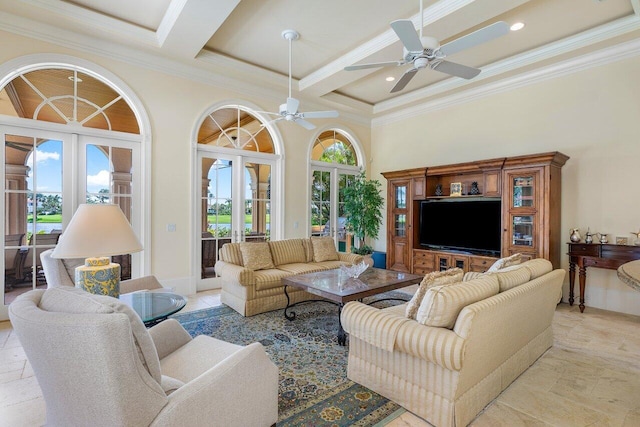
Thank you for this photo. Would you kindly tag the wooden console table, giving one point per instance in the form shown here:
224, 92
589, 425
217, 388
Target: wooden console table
596, 255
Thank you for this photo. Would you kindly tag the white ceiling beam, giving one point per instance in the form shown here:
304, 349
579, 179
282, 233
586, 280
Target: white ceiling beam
189, 24
332, 76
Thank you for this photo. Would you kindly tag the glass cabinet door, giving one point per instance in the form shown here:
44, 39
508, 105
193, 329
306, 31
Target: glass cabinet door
523, 216
400, 205
523, 191
522, 230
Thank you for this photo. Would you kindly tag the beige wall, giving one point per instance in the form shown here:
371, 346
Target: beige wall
174, 104
593, 116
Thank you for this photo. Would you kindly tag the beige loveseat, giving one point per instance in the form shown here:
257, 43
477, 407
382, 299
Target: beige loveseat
252, 272
447, 375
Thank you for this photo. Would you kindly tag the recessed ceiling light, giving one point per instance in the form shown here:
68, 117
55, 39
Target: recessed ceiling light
75, 79
390, 78
517, 26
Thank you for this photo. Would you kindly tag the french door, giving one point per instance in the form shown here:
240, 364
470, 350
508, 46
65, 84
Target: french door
235, 203
327, 205
47, 173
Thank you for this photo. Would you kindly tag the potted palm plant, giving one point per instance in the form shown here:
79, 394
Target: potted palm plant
362, 204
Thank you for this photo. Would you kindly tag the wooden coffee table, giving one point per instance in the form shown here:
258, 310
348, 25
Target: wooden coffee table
337, 288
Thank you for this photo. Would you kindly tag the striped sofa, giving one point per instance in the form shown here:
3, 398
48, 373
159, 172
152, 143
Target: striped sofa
448, 375
250, 290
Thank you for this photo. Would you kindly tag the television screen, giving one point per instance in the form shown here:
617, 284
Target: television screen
468, 225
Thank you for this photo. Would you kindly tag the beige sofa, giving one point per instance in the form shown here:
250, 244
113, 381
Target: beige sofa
252, 272
447, 375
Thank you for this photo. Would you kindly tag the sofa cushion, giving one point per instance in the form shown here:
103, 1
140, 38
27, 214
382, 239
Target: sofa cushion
512, 278
287, 251
308, 250
230, 252
538, 267
256, 256
329, 265
435, 278
269, 279
470, 275
442, 304
301, 268
324, 249
505, 262
66, 299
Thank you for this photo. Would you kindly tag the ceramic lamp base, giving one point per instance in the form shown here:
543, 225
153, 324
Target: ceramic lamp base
99, 276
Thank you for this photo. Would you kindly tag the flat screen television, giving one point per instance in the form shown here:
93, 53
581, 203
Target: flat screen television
472, 226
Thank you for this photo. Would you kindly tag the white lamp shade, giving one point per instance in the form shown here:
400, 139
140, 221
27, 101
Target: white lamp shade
97, 231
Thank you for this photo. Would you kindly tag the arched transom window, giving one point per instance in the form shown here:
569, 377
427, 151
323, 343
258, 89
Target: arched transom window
69, 96
334, 163
238, 166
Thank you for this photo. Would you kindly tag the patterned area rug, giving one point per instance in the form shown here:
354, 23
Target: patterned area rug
314, 389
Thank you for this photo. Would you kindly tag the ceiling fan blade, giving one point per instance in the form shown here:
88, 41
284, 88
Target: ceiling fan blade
373, 65
319, 114
292, 105
305, 124
406, 78
407, 35
482, 35
458, 70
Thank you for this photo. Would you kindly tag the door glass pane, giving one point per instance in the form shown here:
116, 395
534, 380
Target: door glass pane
401, 197
109, 180
216, 212
400, 228
33, 209
522, 227
257, 202
523, 187
321, 203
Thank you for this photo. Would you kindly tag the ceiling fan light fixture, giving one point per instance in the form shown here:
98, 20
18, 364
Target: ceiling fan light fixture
517, 26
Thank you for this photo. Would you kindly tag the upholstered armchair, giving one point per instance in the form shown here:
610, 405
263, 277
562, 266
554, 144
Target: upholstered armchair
98, 365
60, 272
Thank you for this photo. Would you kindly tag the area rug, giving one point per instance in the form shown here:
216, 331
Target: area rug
314, 389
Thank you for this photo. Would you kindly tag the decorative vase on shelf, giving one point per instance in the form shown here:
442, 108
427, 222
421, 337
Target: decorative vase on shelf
575, 235
438, 190
474, 190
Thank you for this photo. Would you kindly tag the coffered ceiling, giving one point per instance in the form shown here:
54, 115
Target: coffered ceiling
238, 43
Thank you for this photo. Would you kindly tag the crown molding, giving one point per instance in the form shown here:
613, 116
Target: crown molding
597, 58
568, 44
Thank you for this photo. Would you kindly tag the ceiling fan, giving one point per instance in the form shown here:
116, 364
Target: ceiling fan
422, 52
289, 110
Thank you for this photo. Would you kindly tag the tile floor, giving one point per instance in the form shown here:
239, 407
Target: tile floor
591, 376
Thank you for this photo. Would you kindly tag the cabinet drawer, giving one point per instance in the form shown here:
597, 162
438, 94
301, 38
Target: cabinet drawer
481, 263
422, 270
586, 249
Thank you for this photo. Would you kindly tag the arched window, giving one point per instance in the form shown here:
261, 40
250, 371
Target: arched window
335, 160
238, 168
61, 120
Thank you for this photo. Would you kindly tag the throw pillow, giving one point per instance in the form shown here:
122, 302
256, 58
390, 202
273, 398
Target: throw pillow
287, 251
436, 278
505, 262
256, 255
442, 304
324, 249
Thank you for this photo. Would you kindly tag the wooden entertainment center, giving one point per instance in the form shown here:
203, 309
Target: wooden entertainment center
529, 188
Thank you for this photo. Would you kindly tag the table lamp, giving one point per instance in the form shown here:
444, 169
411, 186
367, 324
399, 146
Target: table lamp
96, 232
